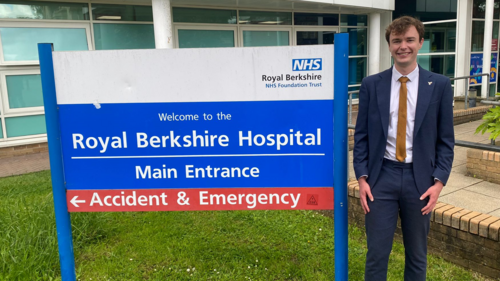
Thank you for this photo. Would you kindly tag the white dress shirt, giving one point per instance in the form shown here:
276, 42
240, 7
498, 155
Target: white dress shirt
412, 94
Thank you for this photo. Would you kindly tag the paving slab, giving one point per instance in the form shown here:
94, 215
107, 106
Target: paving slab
486, 188
472, 137
460, 157
24, 164
471, 201
495, 213
458, 181
467, 127
459, 168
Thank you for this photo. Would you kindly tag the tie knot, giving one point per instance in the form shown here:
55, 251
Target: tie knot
403, 79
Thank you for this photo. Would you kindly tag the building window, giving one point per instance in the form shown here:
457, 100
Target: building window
265, 38
193, 15
122, 12
20, 43
440, 37
356, 26
21, 99
195, 38
358, 41
16, 9
316, 19
442, 64
114, 30
24, 91
479, 8
478, 36
314, 37
25, 126
353, 20
265, 18
426, 10
357, 70
111, 36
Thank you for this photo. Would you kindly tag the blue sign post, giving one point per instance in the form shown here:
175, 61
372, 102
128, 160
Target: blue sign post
63, 221
260, 139
341, 66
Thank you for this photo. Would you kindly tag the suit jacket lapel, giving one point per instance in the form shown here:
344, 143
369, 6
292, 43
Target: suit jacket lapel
425, 90
384, 98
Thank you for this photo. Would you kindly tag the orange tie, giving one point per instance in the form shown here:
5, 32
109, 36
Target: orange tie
401, 134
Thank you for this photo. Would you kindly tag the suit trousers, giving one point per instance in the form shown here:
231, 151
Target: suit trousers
395, 193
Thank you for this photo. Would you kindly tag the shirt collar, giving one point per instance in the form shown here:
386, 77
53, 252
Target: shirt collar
412, 75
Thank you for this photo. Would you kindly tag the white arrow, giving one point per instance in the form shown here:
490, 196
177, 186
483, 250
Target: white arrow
74, 201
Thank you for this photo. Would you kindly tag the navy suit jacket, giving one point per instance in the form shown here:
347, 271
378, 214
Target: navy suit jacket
433, 136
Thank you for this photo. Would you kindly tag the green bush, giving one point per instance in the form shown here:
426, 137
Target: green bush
491, 123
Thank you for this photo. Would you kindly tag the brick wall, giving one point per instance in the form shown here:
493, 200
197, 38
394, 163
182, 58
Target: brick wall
6, 152
472, 114
350, 133
484, 165
469, 239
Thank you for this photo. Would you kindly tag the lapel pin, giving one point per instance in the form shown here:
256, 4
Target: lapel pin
430, 83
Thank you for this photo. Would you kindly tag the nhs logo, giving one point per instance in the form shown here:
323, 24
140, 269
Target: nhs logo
306, 64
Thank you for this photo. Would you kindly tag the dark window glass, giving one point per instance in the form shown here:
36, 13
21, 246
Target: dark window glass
316, 19
315, 37
479, 8
439, 37
15, 9
266, 18
357, 70
478, 36
357, 40
353, 20
426, 10
122, 12
442, 64
204, 15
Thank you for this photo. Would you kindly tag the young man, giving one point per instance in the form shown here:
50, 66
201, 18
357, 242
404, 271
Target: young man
403, 151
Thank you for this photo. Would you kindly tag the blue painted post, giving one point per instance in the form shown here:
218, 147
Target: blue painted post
63, 221
341, 66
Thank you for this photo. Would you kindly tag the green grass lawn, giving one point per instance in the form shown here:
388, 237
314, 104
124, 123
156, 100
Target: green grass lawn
237, 245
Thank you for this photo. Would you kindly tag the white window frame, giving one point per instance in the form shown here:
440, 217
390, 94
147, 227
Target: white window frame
214, 27
266, 28
35, 24
308, 28
5, 95
29, 139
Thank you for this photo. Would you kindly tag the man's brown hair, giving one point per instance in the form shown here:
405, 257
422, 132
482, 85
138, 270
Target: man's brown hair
401, 25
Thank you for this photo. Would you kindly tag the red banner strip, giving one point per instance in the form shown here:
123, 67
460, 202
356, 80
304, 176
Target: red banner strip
143, 200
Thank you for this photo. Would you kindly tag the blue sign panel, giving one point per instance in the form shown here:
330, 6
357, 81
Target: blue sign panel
198, 144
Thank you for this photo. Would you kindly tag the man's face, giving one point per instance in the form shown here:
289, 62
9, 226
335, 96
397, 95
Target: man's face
404, 47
